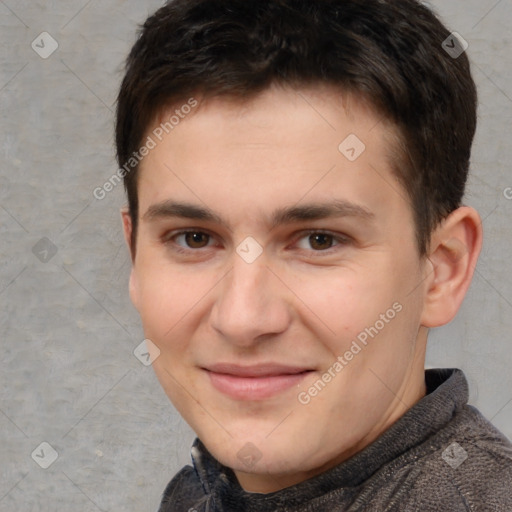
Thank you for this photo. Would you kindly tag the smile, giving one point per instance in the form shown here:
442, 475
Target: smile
254, 382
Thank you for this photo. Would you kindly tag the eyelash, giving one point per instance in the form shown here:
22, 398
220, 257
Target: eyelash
340, 239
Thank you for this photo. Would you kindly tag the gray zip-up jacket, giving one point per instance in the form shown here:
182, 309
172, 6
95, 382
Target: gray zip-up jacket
441, 455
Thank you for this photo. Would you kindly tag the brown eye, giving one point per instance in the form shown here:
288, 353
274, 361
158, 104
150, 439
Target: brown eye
196, 240
190, 241
321, 241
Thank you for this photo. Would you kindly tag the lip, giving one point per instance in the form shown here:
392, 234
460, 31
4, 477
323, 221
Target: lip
256, 382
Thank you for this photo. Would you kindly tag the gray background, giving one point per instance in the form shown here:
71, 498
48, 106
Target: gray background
68, 375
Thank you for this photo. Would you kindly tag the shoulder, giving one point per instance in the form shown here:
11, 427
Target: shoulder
467, 466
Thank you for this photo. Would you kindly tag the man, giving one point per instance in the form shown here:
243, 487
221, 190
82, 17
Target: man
295, 172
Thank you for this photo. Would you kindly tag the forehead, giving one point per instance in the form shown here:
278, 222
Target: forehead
278, 104
282, 146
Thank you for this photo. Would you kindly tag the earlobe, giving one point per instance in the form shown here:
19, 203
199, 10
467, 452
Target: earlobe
455, 247
127, 230
133, 289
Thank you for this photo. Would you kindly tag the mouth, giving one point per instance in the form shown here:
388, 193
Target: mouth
255, 382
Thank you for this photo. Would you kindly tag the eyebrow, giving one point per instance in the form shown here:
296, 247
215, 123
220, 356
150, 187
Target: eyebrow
286, 215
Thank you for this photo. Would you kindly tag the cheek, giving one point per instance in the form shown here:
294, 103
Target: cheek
362, 303
165, 299
345, 300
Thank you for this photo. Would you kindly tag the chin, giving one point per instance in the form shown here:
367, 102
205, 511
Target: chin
260, 455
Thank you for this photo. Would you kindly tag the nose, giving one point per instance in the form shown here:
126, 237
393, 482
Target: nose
252, 304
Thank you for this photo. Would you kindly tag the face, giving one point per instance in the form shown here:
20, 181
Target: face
277, 273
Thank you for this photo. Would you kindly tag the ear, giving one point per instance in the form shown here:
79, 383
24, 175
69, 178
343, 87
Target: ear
128, 229
453, 255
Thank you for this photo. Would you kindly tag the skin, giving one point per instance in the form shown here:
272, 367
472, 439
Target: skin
305, 299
